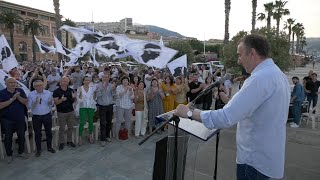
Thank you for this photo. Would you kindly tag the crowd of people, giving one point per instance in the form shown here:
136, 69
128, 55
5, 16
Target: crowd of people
86, 94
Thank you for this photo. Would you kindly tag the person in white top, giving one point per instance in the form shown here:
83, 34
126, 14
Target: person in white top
53, 80
86, 103
227, 84
260, 110
124, 96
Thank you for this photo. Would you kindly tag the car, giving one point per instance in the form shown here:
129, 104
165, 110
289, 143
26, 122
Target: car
217, 64
199, 65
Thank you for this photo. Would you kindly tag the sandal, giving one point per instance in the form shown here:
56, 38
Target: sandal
90, 139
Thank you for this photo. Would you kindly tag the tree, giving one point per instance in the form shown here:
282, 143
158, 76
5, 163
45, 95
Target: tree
196, 45
288, 25
33, 26
254, 14
227, 8
268, 8
296, 30
279, 49
183, 47
303, 43
279, 12
10, 19
230, 56
68, 22
56, 5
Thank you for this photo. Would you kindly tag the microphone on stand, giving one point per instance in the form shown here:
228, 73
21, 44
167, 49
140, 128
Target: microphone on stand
205, 91
211, 86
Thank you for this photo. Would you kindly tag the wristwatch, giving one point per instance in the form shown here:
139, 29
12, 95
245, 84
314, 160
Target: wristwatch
190, 113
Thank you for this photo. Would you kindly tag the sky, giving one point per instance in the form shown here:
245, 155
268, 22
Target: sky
202, 19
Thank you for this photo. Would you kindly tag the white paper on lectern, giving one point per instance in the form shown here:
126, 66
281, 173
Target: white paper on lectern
193, 127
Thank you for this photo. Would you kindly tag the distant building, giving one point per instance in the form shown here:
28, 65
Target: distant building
123, 26
22, 42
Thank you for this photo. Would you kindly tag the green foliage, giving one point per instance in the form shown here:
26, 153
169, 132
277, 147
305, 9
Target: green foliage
230, 56
183, 47
198, 45
9, 19
279, 49
217, 48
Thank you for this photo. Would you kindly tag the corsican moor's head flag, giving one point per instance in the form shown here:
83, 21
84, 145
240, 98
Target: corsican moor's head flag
7, 57
63, 50
151, 54
178, 66
84, 37
3, 84
112, 45
44, 47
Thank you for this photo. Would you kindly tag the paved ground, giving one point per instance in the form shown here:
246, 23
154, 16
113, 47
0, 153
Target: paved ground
124, 160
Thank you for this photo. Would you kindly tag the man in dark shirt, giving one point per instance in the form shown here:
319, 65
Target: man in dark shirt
13, 102
63, 99
312, 87
195, 89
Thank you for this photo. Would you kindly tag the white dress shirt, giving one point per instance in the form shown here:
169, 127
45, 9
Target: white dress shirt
261, 110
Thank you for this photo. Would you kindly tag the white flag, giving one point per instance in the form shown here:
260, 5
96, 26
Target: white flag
93, 58
112, 45
84, 37
73, 61
3, 85
7, 57
43, 47
178, 66
63, 50
151, 54
61, 67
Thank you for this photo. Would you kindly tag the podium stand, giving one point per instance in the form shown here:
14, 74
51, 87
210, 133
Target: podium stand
173, 160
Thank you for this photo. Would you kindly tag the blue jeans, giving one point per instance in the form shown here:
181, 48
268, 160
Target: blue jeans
296, 111
246, 172
314, 100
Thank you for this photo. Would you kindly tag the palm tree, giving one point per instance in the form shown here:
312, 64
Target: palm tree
296, 30
279, 12
288, 25
56, 5
268, 8
227, 6
68, 22
33, 26
9, 19
254, 14
303, 43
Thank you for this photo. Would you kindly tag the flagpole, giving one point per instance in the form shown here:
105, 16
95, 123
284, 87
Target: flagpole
92, 49
204, 43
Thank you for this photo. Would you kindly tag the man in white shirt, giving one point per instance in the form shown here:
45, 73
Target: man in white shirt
260, 110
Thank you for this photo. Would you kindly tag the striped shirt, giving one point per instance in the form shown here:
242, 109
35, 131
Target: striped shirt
124, 100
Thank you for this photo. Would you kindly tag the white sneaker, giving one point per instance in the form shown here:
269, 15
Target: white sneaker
294, 125
103, 143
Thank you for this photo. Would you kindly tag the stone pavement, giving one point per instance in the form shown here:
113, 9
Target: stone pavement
125, 160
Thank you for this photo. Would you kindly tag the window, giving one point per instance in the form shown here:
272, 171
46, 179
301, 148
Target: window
32, 14
23, 47
52, 18
23, 13
45, 30
44, 17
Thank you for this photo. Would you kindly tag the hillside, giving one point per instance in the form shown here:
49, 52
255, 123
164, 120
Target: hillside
163, 32
313, 43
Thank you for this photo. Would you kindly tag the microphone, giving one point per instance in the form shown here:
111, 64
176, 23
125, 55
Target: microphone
211, 86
